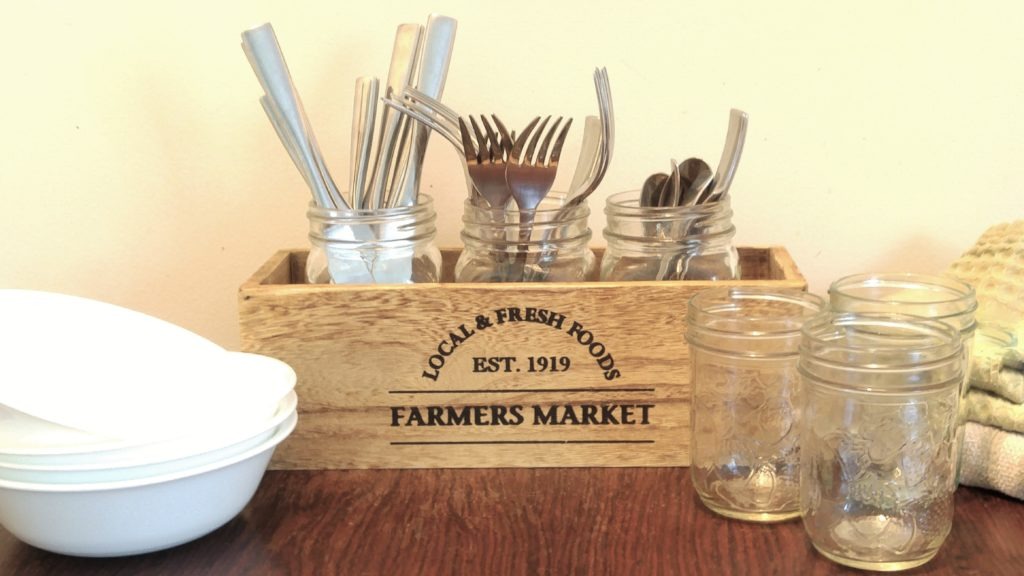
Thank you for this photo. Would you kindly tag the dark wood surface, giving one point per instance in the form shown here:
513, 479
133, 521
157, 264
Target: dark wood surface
515, 521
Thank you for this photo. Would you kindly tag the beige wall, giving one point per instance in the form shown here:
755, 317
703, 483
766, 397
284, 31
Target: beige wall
136, 165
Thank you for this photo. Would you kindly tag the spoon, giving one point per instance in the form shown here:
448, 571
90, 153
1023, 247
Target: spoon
671, 195
699, 175
731, 153
650, 194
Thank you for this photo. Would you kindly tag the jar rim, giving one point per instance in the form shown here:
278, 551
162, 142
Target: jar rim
956, 290
627, 203
880, 344
550, 205
424, 203
712, 303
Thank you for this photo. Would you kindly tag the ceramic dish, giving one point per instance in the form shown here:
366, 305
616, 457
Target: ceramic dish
135, 516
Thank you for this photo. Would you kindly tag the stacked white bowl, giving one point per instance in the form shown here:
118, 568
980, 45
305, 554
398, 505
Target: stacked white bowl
123, 434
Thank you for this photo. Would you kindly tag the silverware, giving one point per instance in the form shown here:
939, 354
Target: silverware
427, 116
389, 141
674, 193
431, 72
264, 54
589, 149
363, 114
650, 193
486, 160
529, 175
731, 153
606, 145
287, 139
698, 175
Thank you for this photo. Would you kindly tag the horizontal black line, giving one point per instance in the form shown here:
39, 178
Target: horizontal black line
450, 442
521, 390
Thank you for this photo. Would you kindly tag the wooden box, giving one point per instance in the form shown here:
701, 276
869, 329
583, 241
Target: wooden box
484, 375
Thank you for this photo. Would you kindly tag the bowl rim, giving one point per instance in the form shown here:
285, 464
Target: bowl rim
282, 432
139, 455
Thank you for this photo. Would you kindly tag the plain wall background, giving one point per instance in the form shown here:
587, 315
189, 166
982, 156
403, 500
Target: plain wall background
137, 167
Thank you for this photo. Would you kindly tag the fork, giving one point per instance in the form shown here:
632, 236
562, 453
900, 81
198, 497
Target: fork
486, 159
530, 176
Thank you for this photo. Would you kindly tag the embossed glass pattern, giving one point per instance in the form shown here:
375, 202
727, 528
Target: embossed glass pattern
940, 298
744, 348
380, 246
878, 437
549, 244
668, 242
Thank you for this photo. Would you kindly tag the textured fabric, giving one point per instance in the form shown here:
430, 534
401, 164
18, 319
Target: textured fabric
993, 459
984, 408
995, 267
990, 371
993, 451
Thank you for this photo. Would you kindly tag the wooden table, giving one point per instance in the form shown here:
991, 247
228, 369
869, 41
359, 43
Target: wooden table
515, 521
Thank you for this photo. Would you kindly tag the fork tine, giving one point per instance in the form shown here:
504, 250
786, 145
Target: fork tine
482, 151
520, 141
556, 152
506, 139
530, 159
467, 142
493, 144
543, 152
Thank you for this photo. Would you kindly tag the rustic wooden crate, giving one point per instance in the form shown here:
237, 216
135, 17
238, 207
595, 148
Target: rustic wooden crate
369, 398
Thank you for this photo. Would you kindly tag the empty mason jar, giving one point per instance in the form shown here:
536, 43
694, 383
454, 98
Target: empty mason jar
668, 243
380, 246
940, 298
744, 415
877, 449
549, 244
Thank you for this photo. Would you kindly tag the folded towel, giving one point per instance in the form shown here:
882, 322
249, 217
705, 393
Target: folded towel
994, 367
993, 459
993, 450
984, 408
994, 266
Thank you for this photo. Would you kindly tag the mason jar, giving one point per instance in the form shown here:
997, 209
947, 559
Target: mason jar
373, 246
668, 243
878, 442
941, 298
549, 244
745, 412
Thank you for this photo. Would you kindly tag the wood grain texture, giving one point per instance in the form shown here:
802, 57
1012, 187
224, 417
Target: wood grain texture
374, 361
516, 521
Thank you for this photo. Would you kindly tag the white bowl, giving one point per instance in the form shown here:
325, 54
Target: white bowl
136, 516
142, 461
23, 433
146, 398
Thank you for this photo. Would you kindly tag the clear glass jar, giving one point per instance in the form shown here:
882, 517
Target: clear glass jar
878, 448
383, 246
941, 298
668, 243
550, 244
744, 416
